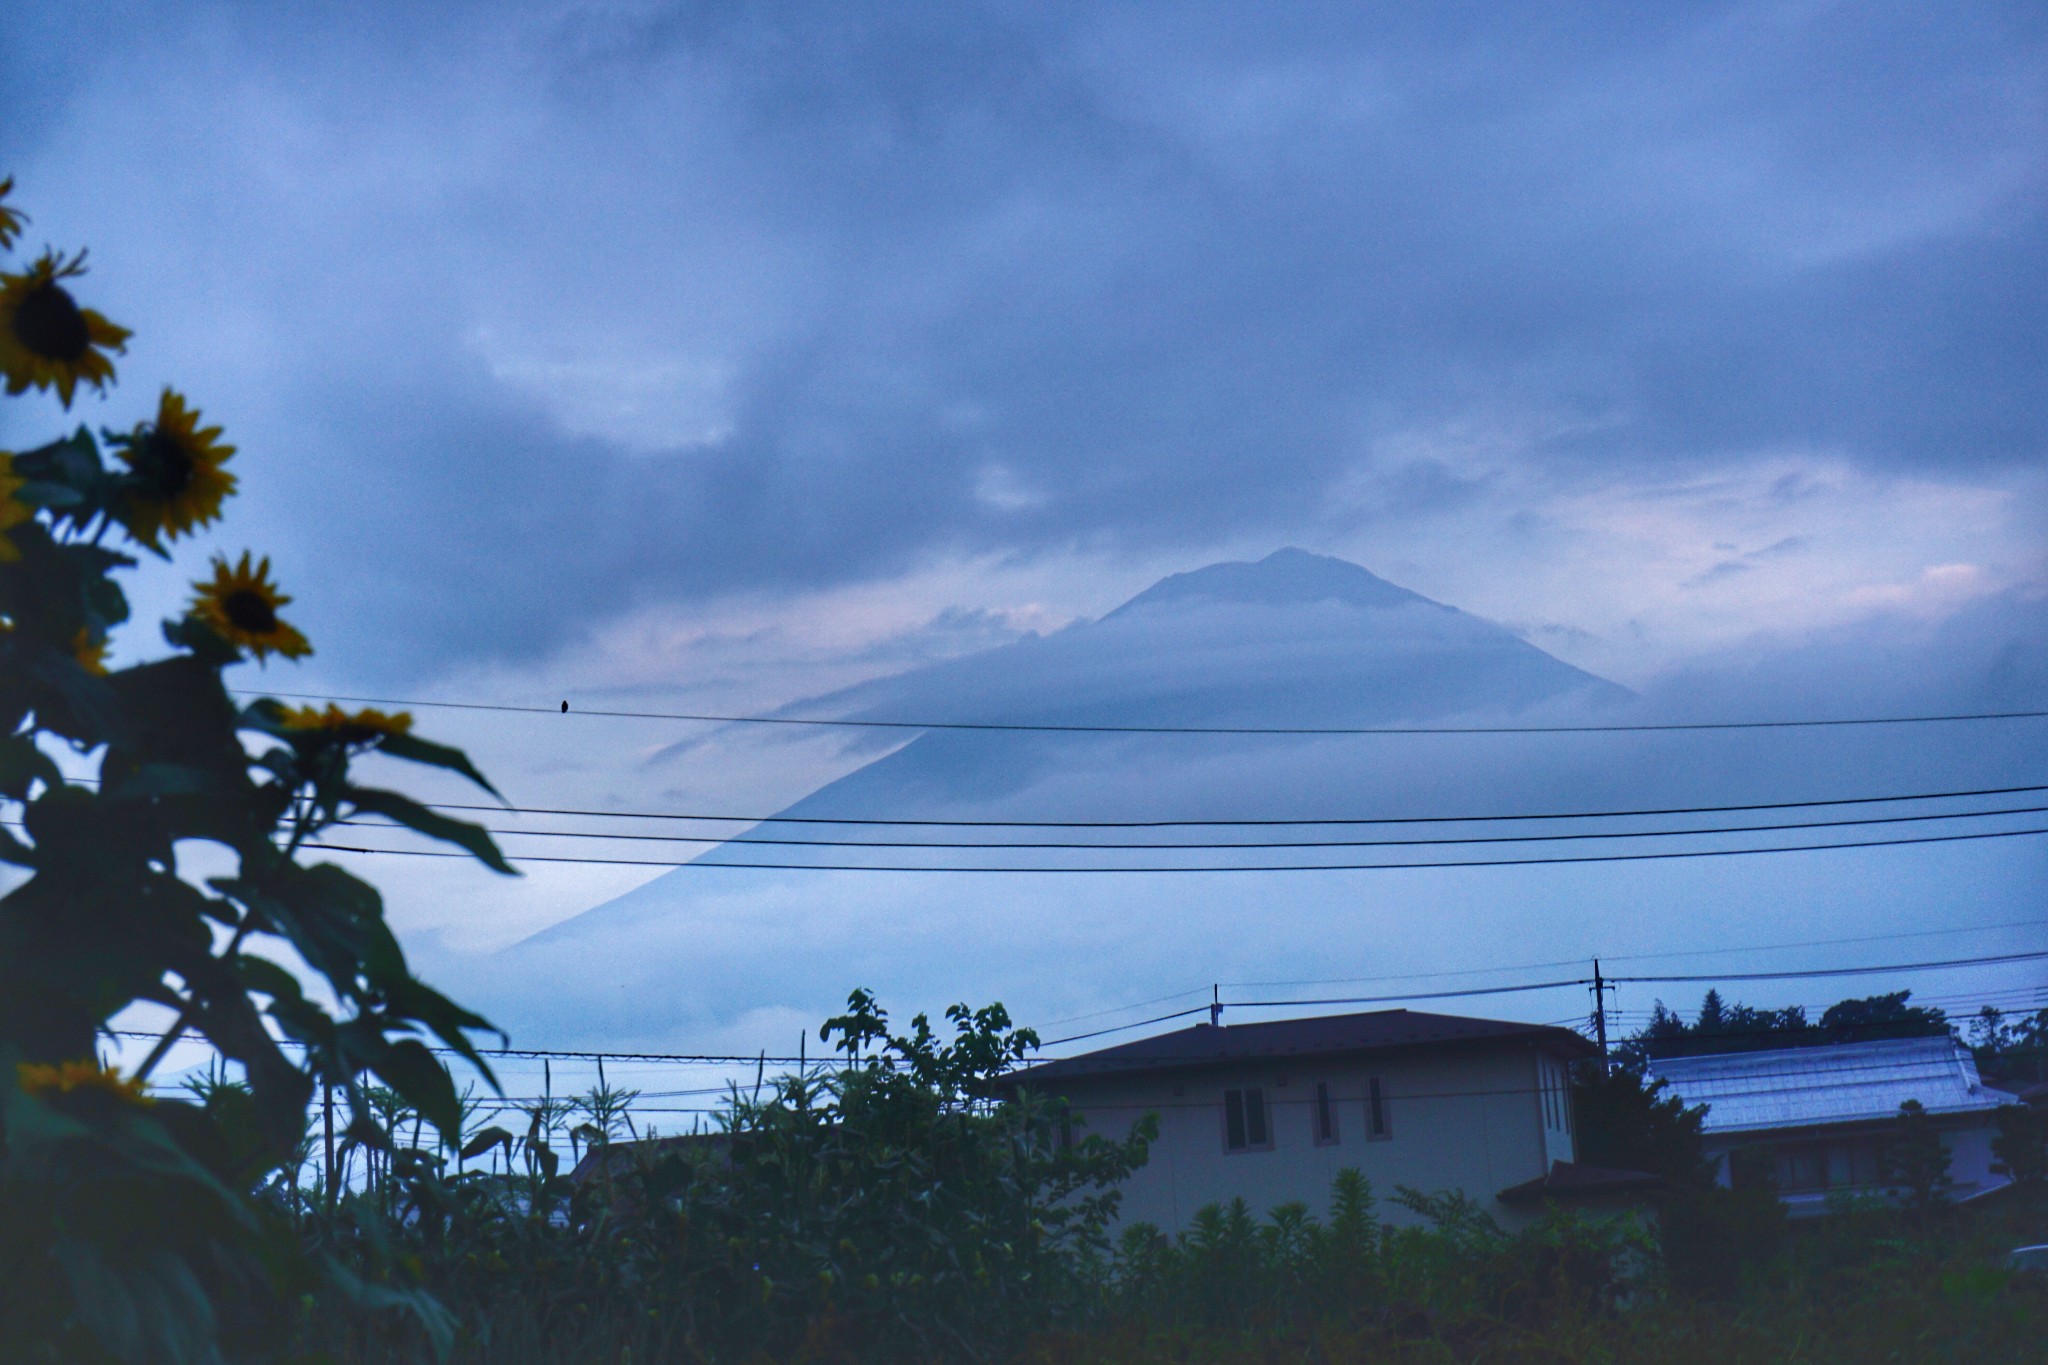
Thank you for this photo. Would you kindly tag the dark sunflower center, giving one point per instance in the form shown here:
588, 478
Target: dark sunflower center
250, 611
167, 462
49, 324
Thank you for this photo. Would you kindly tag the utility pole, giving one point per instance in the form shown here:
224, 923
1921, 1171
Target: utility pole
1600, 989
1215, 1004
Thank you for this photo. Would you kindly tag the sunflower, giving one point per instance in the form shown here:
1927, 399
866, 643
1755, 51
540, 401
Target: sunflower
12, 513
240, 605
10, 219
68, 1078
46, 339
176, 481
350, 727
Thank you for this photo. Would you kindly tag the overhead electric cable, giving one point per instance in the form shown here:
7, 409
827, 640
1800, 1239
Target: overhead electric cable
1574, 836
1568, 962
1631, 957
1222, 823
1837, 971
1185, 868
1992, 960
1047, 728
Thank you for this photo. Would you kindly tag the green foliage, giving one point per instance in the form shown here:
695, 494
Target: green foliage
2021, 1145
2010, 1049
134, 1228
1712, 1235
1916, 1161
901, 1204
1721, 1027
1627, 1122
1235, 1274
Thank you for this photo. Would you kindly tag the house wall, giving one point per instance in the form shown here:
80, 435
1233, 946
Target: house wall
1473, 1121
1847, 1159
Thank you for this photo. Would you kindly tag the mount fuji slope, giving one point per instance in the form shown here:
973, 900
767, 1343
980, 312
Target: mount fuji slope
1294, 640
716, 956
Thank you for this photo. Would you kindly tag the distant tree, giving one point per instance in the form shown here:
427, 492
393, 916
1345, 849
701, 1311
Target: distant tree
1882, 1016
2021, 1147
1917, 1161
1710, 1234
2011, 1048
1724, 1027
1629, 1123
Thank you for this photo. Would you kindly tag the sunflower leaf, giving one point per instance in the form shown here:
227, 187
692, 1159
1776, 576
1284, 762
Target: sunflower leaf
431, 823
416, 750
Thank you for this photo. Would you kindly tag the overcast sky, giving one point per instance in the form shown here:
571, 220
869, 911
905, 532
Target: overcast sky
731, 354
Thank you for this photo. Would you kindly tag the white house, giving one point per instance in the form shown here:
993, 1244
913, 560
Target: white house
1817, 1119
1272, 1111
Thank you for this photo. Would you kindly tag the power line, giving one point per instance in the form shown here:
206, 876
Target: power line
1860, 1076
1047, 728
1574, 836
1840, 971
1566, 962
1230, 823
1251, 867
1219, 823
1121, 1028
1628, 957
1996, 959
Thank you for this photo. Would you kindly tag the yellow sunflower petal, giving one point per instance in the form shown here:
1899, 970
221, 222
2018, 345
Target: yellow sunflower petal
12, 512
48, 341
10, 219
176, 481
49, 1080
240, 604
353, 727
90, 653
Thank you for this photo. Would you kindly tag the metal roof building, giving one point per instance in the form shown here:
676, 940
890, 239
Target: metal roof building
1821, 1115
1844, 1083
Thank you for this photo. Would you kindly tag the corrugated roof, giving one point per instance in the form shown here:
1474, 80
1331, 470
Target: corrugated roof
1845, 1083
1321, 1036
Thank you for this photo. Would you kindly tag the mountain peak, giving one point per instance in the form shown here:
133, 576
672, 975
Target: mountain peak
1287, 576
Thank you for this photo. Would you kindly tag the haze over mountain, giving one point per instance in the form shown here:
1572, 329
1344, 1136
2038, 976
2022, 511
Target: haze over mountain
1297, 640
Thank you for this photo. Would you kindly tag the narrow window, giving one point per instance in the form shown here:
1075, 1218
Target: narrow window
1376, 1111
1326, 1116
1244, 1120
1255, 1118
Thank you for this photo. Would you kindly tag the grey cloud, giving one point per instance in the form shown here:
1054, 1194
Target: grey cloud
1720, 573
1790, 545
1175, 274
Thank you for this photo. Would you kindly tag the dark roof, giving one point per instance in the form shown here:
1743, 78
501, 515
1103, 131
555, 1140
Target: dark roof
1568, 1180
617, 1157
1322, 1036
